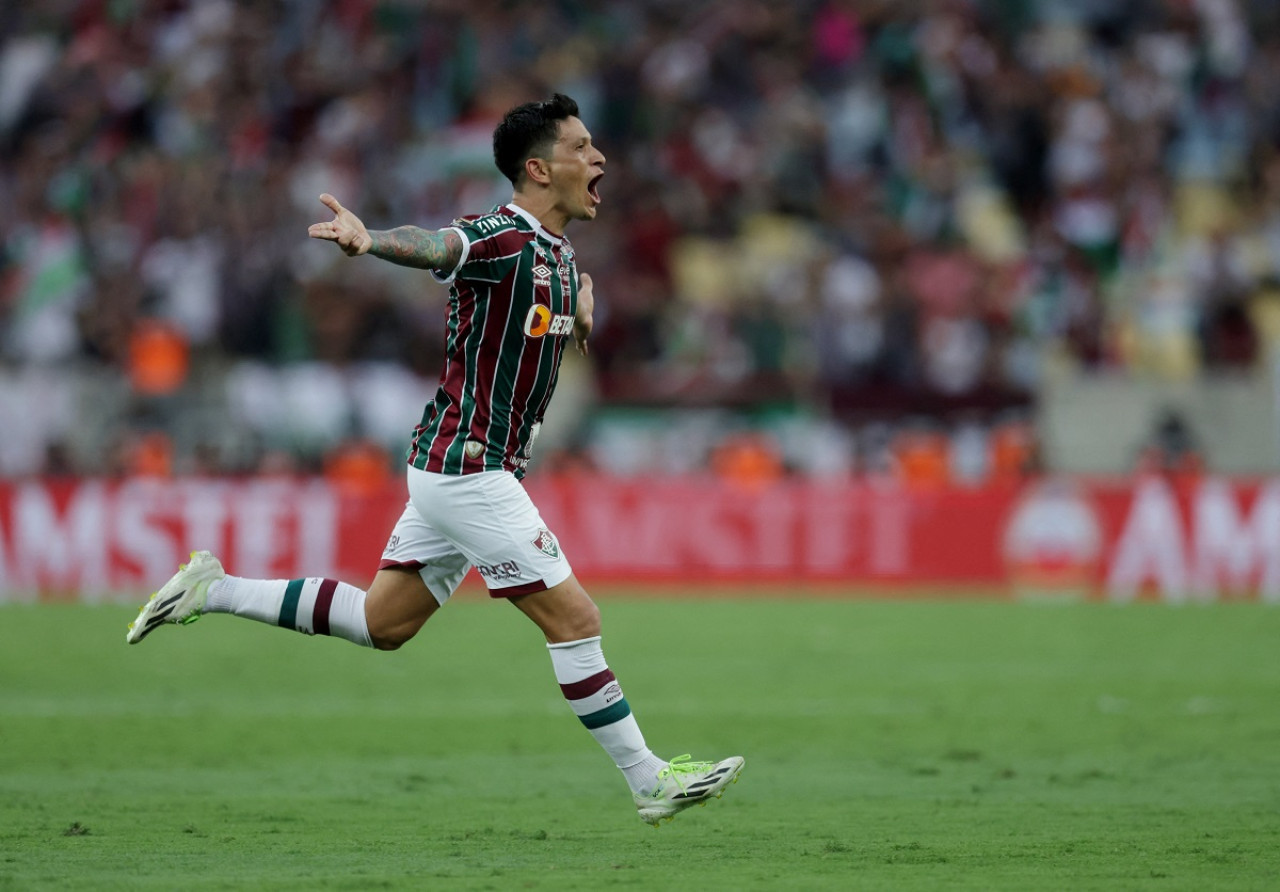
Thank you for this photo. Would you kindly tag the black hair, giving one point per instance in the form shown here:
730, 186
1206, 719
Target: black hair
527, 131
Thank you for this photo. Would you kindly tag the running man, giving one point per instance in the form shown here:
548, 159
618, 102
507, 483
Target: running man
515, 299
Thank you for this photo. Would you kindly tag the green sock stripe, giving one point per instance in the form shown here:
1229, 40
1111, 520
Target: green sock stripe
289, 608
613, 713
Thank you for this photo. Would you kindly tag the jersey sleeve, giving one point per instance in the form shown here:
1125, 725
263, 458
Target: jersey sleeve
491, 245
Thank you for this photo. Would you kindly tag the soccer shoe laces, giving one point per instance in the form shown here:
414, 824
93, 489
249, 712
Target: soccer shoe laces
680, 766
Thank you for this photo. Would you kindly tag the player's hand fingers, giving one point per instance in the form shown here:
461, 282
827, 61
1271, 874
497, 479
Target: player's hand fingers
330, 202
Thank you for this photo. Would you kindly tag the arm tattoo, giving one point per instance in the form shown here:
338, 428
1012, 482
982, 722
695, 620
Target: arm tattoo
423, 248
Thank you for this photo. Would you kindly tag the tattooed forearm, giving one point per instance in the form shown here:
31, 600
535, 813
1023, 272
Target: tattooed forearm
423, 248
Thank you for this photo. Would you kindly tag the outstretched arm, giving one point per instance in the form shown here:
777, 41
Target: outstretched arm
405, 245
423, 248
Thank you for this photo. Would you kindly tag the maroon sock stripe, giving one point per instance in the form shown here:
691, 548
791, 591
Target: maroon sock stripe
587, 686
324, 600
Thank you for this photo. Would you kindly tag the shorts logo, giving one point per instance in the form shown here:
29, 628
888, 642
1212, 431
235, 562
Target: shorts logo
473, 448
542, 275
546, 543
500, 572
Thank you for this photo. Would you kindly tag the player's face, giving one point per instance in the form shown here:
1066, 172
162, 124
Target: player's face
577, 167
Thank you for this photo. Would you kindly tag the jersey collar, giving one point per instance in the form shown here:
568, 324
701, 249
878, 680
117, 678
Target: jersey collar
534, 222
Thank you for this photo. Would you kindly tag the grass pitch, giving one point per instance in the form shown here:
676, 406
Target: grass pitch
889, 745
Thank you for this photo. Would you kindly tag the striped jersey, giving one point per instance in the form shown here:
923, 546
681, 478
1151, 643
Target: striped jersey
512, 298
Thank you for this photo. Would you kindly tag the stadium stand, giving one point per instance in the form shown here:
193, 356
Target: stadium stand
847, 226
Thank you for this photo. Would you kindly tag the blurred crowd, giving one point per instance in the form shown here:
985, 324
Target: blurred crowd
837, 235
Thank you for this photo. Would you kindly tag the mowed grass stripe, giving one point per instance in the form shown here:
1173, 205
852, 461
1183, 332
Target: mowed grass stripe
889, 745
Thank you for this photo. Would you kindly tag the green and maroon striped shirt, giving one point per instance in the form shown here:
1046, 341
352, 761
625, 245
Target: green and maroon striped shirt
511, 303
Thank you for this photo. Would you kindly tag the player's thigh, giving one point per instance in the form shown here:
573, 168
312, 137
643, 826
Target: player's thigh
564, 612
397, 605
415, 544
490, 519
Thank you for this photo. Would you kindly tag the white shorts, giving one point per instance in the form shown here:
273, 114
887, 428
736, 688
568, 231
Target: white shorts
485, 520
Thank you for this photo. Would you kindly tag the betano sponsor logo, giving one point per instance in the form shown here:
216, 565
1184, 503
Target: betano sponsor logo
541, 321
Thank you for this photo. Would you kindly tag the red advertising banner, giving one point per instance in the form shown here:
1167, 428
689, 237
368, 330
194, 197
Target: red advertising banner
1204, 539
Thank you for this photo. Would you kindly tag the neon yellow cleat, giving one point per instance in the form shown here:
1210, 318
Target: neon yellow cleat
683, 783
181, 599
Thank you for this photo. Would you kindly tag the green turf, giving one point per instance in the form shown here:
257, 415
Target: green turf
889, 746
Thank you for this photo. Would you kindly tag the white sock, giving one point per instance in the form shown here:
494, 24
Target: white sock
596, 699
642, 775
312, 606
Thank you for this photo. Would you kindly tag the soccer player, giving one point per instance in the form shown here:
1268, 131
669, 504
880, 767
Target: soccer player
515, 299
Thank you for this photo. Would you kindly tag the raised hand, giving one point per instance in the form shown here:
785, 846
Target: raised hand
345, 229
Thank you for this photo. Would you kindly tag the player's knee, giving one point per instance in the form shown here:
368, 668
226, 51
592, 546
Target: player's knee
397, 606
584, 623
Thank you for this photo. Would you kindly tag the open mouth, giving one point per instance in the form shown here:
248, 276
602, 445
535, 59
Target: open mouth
592, 188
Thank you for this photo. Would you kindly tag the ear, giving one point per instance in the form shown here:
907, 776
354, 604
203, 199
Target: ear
538, 170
